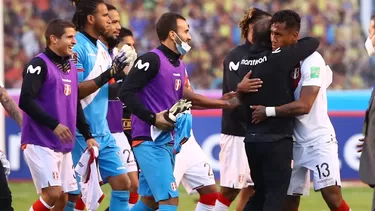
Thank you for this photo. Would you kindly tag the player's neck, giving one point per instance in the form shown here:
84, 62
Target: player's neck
55, 51
171, 45
91, 31
104, 41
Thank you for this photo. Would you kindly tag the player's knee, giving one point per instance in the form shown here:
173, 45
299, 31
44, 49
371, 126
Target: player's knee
73, 197
170, 201
51, 194
229, 193
133, 176
291, 203
120, 182
332, 196
150, 202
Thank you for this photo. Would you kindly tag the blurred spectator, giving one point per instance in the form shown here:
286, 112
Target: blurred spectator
213, 25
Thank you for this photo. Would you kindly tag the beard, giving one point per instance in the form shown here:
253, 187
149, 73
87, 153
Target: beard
101, 29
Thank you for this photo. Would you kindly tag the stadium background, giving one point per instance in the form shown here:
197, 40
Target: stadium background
341, 26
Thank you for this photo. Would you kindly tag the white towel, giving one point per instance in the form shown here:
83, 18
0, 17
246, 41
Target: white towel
88, 169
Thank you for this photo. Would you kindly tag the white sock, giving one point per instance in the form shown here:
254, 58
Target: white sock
31, 208
203, 207
131, 206
220, 206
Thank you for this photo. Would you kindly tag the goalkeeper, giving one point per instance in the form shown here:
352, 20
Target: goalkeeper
153, 85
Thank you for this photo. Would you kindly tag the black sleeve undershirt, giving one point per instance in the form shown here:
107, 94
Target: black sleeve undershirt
139, 76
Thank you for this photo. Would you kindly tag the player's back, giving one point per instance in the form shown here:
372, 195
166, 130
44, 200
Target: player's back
92, 60
315, 126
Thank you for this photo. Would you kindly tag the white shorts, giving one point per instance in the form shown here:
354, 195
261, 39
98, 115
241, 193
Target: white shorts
192, 168
322, 159
50, 168
127, 155
234, 167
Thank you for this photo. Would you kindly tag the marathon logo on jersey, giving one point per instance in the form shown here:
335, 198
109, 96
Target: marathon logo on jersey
241, 178
254, 62
67, 89
177, 84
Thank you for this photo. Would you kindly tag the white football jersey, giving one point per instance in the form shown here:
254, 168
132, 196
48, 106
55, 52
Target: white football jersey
314, 127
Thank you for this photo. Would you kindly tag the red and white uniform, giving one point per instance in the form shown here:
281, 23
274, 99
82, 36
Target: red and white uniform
315, 147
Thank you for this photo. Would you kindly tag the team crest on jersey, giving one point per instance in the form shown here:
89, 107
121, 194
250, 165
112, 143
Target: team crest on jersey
295, 72
67, 89
174, 186
55, 175
177, 84
74, 58
296, 76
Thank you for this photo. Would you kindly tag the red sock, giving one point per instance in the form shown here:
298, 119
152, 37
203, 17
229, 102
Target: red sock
209, 199
40, 205
223, 200
80, 205
343, 207
133, 197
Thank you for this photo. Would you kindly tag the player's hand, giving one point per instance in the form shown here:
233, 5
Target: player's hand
131, 55
259, 114
228, 95
232, 102
360, 145
91, 143
63, 133
249, 85
162, 123
179, 107
118, 63
5, 163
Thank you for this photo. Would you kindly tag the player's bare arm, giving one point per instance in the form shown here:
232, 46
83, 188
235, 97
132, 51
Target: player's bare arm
200, 101
10, 106
299, 107
138, 77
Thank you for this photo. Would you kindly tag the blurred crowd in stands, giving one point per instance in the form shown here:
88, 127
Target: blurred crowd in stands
214, 29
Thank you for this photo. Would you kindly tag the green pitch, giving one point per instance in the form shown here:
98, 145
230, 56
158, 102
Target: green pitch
359, 199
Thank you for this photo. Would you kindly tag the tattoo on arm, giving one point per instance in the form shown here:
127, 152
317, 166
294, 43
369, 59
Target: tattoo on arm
10, 106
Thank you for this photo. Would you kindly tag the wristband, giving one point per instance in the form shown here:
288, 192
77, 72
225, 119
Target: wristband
270, 111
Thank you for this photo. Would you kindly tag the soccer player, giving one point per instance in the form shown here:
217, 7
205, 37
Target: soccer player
366, 165
154, 84
95, 69
234, 170
269, 145
11, 107
116, 110
52, 112
315, 148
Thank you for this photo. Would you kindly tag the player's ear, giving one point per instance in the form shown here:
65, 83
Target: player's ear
90, 19
53, 39
172, 35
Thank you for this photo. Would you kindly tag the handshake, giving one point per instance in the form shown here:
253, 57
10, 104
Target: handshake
165, 120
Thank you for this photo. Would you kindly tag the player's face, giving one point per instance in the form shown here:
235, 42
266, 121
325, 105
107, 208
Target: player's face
280, 36
102, 22
183, 31
371, 29
115, 26
65, 44
128, 40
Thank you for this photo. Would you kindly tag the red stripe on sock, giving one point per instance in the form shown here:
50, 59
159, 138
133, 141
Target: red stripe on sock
343, 207
223, 200
80, 205
101, 198
208, 199
39, 206
133, 198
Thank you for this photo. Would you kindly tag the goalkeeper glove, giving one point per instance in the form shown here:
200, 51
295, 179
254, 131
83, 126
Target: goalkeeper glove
179, 107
